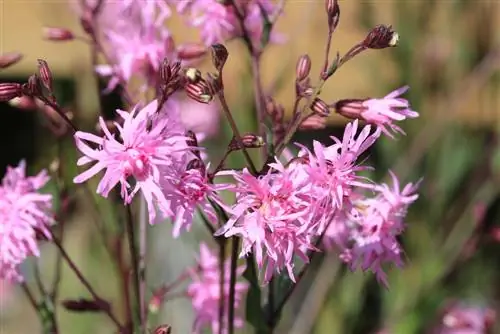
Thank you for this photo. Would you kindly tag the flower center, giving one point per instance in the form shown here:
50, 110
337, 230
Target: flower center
137, 164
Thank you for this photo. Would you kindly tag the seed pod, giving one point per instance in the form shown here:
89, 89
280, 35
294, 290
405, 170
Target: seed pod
381, 37
219, 56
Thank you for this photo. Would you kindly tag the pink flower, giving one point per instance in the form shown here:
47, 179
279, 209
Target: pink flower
218, 22
381, 112
269, 214
187, 188
23, 212
332, 171
150, 143
368, 233
464, 319
205, 295
137, 42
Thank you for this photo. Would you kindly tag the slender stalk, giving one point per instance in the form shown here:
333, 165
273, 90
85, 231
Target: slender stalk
259, 101
232, 284
222, 266
58, 110
135, 261
30, 296
124, 274
143, 221
236, 132
83, 280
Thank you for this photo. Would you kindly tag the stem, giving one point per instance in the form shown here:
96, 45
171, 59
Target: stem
135, 261
259, 100
236, 132
222, 257
142, 261
82, 279
59, 111
327, 51
232, 284
30, 296
124, 274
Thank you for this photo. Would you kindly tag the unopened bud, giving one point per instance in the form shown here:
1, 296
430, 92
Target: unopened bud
303, 67
320, 108
248, 140
219, 56
57, 34
199, 92
333, 11
190, 51
10, 90
163, 329
314, 122
275, 110
381, 37
45, 74
10, 58
193, 75
33, 86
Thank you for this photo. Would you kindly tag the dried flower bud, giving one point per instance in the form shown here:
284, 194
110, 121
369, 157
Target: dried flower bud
45, 74
219, 56
33, 87
85, 305
350, 108
303, 68
190, 51
10, 58
314, 122
10, 90
192, 140
333, 11
163, 329
57, 34
192, 74
248, 140
320, 108
199, 92
381, 37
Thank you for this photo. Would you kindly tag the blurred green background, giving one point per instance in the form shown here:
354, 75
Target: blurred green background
449, 53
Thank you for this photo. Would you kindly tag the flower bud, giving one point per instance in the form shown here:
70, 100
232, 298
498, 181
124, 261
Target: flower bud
10, 90
190, 51
219, 56
45, 74
381, 37
333, 11
320, 108
303, 67
10, 58
314, 122
275, 110
33, 86
57, 34
169, 72
248, 140
199, 92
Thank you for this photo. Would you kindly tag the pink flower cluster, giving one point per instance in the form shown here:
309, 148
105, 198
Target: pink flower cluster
218, 21
23, 213
205, 289
151, 155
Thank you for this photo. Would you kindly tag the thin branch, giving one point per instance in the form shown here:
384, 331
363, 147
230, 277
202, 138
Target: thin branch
259, 101
232, 283
236, 132
83, 280
143, 221
135, 260
222, 266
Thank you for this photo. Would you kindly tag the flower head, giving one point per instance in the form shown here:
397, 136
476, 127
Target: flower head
380, 112
149, 143
23, 212
205, 290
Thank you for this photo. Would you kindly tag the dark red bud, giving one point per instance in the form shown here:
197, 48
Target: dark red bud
10, 58
45, 74
219, 56
303, 68
320, 108
10, 90
57, 34
381, 37
333, 12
